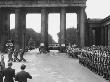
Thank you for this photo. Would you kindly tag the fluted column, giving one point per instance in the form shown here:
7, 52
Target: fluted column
82, 25
90, 37
109, 35
1, 30
20, 27
102, 36
63, 26
78, 28
4, 27
106, 35
44, 27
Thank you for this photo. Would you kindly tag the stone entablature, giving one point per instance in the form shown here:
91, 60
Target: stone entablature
99, 31
99, 22
106, 21
41, 3
93, 23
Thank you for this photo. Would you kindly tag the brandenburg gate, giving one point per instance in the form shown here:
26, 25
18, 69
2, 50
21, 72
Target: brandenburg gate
22, 7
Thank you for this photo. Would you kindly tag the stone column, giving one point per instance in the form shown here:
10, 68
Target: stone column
106, 35
93, 36
20, 27
44, 27
82, 25
90, 37
5, 27
109, 35
78, 28
102, 36
1, 30
6, 23
63, 26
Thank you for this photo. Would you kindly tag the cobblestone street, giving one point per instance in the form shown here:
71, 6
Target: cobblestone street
55, 67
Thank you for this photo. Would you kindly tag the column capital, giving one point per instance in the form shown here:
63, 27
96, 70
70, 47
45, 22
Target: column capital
63, 9
44, 10
20, 10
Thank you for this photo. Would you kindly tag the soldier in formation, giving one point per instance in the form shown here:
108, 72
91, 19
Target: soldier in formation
15, 54
97, 59
73, 51
21, 55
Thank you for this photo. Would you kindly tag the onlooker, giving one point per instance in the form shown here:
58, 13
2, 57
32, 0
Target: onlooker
1, 73
9, 73
22, 75
2, 62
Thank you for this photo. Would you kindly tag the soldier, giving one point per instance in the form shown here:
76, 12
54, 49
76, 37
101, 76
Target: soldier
16, 55
10, 52
21, 55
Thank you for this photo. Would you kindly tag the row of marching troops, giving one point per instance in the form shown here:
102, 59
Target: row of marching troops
73, 51
13, 53
95, 58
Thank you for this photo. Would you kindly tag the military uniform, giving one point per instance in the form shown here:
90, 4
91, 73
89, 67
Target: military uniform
21, 55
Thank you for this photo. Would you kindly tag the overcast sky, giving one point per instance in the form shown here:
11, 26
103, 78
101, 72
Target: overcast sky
94, 9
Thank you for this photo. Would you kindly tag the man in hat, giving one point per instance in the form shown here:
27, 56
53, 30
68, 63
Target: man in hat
22, 75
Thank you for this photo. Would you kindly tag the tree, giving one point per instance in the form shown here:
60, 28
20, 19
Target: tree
31, 34
71, 36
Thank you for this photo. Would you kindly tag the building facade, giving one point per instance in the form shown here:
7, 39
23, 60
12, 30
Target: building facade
21, 7
99, 31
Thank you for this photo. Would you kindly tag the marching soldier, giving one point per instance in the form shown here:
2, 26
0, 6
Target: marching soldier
97, 59
16, 55
21, 55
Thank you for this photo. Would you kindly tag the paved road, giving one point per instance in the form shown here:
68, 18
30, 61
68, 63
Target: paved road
55, 67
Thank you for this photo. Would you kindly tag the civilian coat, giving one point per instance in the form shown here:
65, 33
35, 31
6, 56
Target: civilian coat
9, 74
22, 76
